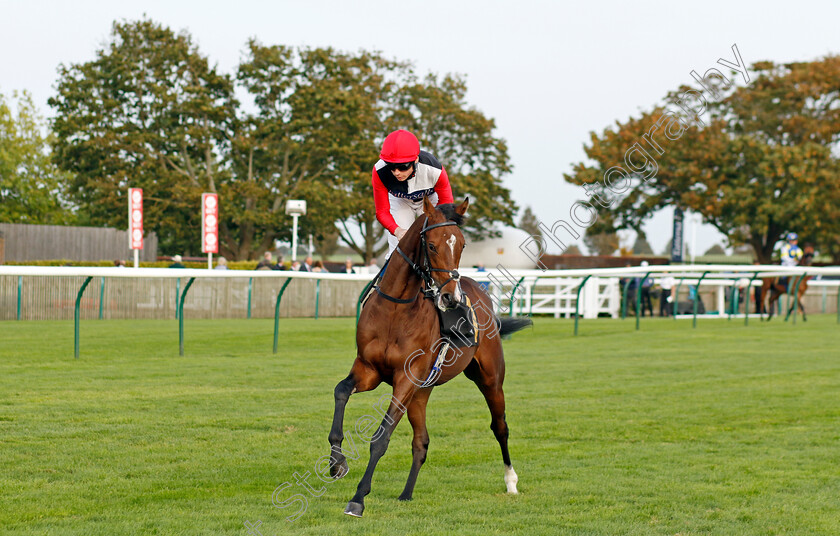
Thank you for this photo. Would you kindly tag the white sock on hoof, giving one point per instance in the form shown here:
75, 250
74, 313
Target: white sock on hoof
511, 479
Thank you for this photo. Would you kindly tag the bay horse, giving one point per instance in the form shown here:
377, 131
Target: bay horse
775, 287
399, 342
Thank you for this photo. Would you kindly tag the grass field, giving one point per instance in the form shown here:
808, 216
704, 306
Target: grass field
670, 430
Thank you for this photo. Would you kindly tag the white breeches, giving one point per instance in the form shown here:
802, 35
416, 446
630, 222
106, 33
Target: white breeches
405, 212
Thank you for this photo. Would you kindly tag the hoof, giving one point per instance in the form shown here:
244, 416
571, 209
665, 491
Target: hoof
339, 470
404, 497
354, 509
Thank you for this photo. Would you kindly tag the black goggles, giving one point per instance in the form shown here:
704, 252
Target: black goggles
403, 166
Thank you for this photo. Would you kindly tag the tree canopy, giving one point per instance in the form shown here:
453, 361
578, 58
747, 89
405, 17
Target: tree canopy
31, 187
149, 112
601, 243
755, 163
529, 222
717, 249
641, 246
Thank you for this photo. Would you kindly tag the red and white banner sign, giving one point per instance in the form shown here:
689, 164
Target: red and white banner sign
135, 218
210, 223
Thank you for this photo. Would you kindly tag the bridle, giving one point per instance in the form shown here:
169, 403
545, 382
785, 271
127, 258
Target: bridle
424, 270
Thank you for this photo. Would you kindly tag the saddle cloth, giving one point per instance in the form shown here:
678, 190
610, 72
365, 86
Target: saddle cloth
459, 324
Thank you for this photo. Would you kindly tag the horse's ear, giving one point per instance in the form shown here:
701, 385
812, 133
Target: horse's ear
462, 208
428, 207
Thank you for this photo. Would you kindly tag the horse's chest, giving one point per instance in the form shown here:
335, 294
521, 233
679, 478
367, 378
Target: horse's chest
395, 344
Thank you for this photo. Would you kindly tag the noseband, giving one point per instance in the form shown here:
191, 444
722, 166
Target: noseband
424, 269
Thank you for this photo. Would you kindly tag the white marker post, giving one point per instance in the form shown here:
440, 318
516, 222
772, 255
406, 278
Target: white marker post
295, 208
294, 235
210, 226
135, 222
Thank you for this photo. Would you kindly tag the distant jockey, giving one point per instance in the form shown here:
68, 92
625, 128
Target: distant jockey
791, 253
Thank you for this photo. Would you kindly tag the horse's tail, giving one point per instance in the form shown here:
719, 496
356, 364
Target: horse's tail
512, 325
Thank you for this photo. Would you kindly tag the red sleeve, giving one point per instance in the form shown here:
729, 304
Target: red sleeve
383, 206
443, 188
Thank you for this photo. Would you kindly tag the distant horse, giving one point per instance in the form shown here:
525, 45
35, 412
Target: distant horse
776, 286
398, 341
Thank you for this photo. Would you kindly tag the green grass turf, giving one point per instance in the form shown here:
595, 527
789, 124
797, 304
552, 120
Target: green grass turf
669, 430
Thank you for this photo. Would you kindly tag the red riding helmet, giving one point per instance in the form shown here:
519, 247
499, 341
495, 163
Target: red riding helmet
400, 146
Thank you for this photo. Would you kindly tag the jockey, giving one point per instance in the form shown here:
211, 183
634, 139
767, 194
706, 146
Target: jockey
402, 177
791, 253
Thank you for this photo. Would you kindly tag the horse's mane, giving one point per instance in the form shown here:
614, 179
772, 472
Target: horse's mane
448, 210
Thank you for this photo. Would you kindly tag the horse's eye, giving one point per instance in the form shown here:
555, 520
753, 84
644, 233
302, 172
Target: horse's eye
433, 248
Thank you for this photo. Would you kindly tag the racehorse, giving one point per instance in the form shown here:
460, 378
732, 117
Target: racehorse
398, 341
776, 286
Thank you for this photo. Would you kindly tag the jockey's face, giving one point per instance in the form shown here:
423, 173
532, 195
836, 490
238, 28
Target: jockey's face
402, 175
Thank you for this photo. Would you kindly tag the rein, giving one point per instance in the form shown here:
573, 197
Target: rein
424, 271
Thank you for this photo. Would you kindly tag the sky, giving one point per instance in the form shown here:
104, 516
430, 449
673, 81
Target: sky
549, 73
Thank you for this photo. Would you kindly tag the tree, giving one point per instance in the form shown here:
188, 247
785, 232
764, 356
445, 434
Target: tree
717, 249
327, 245
148, 112
529, 223
602, 243
572, 250
31, 187
795, 107
307, 139
757, 166
641, 246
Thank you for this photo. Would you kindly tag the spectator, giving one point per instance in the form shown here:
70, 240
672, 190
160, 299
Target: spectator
630, 284
373, 267
485, 285
295, 266
279, 265
666, 285
646, 285
176, 262
119, 263
319, 267
221, 264
266, 263
307, 264
348, 266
